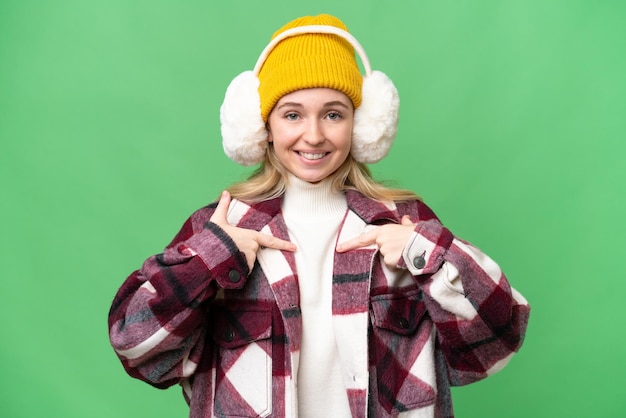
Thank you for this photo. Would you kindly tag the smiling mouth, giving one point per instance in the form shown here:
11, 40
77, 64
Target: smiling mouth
312, 156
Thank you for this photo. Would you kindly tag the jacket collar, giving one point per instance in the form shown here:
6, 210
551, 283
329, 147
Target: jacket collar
369, 210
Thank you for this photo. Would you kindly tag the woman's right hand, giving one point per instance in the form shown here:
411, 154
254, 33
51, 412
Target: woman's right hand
247, 240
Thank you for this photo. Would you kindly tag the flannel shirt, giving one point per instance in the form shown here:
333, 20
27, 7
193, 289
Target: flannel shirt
195, 315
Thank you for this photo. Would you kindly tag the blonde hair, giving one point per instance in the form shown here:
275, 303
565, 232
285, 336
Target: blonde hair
270, 180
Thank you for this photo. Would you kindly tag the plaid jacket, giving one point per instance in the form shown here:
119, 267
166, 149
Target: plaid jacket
194, 315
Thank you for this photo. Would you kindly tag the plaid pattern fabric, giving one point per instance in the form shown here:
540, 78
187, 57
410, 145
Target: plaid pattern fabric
194, 315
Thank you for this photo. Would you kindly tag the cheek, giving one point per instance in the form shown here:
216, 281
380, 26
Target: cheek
347, 138
281, 143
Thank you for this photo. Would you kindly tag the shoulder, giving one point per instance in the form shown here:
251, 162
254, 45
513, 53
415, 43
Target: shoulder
416, 209
194, 223
373, 211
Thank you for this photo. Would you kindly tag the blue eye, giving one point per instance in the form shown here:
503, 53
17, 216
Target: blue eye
291, 116
334, 115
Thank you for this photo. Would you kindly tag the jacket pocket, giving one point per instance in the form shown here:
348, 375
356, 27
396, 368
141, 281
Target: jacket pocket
243, 380
402, 351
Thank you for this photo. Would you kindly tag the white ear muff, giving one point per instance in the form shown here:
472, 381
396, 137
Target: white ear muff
376, 120
244, 136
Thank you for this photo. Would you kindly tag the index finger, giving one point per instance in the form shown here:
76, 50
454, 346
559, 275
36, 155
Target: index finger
269, 241
221, 211
361, 241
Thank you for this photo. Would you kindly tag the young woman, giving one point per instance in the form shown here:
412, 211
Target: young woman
310, 289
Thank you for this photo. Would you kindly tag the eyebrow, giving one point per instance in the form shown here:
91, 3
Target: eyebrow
327, 104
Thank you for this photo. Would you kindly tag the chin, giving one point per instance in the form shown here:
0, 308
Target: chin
310, 178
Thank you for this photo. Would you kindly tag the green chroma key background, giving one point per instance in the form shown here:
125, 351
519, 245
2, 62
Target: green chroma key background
512, 128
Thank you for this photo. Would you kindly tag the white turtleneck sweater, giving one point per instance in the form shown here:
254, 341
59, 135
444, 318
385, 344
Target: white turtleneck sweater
313, 214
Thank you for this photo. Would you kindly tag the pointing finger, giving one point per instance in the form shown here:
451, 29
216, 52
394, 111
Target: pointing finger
269, 241
219, 216
364, 240
406, 220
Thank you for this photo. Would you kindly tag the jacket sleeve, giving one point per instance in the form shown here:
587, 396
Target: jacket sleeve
158, 318
480, 320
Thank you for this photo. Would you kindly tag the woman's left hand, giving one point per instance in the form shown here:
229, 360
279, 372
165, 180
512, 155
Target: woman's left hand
390, 239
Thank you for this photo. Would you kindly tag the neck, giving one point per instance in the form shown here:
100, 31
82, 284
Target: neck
312, 200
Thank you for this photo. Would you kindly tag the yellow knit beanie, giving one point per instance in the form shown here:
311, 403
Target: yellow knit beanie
308, 61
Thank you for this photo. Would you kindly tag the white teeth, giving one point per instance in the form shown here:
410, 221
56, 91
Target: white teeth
310, 156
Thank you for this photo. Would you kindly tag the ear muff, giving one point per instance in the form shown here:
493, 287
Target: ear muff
244, 135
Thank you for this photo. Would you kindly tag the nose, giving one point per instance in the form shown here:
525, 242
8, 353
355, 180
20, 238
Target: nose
313, 133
